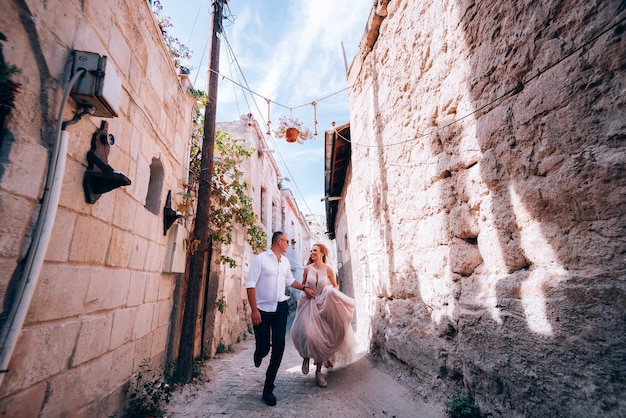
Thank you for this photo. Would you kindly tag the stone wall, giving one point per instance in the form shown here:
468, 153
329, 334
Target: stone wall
483, 214
104, 298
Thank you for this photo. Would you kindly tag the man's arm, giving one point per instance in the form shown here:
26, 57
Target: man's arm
256, 315
300, 286
253, 277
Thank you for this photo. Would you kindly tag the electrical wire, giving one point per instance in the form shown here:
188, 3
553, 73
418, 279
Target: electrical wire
513, 91
243, 84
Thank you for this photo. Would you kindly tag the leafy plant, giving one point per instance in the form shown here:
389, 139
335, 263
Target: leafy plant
221, 304
196, 368
223, 348
461, 405
170, 370
147, 393
285, 123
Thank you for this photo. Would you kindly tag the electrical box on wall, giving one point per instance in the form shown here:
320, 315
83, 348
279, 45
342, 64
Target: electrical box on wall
100, 87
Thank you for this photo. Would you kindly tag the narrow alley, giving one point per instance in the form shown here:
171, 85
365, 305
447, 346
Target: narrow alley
231, 386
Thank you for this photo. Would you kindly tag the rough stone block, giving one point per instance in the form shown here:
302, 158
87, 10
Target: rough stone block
120, 249
137, 290
79, 386
143, 320
26, 403
91, 241
61, 238
52, 300
93, 339
108, 289
122, 327
30, 367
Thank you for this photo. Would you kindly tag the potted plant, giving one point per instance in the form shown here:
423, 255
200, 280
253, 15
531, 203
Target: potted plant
292, 130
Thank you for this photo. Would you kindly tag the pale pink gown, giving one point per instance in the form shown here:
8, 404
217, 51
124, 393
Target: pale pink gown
322, 327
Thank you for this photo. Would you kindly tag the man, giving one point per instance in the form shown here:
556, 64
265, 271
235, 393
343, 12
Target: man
268, 278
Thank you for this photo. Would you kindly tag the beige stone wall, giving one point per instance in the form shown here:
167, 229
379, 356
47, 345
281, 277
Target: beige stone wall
483, 215
103, 302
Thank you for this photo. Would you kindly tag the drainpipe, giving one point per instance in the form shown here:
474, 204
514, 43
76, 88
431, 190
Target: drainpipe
41, 237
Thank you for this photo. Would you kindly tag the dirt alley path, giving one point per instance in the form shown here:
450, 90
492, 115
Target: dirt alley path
230, 386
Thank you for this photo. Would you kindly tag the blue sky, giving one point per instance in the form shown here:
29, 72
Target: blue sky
289, 52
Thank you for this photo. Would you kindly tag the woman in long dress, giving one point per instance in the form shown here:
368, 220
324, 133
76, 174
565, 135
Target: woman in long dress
322, 327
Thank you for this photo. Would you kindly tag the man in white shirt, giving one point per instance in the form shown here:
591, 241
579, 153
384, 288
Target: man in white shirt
268, 278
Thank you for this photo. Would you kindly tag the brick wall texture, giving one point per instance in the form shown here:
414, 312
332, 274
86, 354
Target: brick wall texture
103, 302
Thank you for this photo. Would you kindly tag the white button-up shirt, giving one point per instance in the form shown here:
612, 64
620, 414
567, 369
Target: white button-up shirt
270, 278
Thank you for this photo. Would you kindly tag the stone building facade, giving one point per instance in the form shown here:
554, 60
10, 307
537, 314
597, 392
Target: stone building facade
105, 291
482, 216
102, 300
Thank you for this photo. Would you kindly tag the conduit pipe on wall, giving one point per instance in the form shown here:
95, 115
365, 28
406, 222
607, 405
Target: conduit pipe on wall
41, 237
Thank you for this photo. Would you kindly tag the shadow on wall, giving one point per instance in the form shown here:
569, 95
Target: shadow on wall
552, 159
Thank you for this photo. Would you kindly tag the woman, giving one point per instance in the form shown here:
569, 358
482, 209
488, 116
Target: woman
321, 329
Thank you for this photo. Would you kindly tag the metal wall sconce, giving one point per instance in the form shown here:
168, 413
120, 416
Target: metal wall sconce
169, 215
100, 177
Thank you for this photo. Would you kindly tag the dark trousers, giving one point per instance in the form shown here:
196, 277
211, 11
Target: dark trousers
273, 328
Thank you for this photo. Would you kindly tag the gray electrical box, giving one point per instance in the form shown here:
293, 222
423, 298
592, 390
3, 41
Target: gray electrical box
100, 87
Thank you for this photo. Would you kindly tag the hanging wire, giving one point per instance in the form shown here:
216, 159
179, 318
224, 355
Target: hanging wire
194, 24
315, 118
269, 120
246, 89
513, 91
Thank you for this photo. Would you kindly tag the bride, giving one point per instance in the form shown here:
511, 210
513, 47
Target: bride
322, 327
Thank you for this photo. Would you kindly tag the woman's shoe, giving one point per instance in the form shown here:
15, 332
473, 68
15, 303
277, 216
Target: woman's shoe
321, 382
305, 365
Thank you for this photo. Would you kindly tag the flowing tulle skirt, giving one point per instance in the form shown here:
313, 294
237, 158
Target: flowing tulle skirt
322, 327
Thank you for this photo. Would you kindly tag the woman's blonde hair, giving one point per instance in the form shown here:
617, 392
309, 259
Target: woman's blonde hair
323, 250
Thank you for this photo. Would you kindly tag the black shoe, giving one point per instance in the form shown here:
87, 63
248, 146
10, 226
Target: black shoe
257, 360
269, 398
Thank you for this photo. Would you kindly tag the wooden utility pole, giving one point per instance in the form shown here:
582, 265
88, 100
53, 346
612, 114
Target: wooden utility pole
199, 263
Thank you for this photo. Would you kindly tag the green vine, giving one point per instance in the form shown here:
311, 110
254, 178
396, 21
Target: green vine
230, 204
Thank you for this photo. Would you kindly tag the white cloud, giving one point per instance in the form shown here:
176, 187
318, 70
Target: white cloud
291, 53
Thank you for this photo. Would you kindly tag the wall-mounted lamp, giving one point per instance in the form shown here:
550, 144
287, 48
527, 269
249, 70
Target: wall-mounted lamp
169, 215
100, 177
